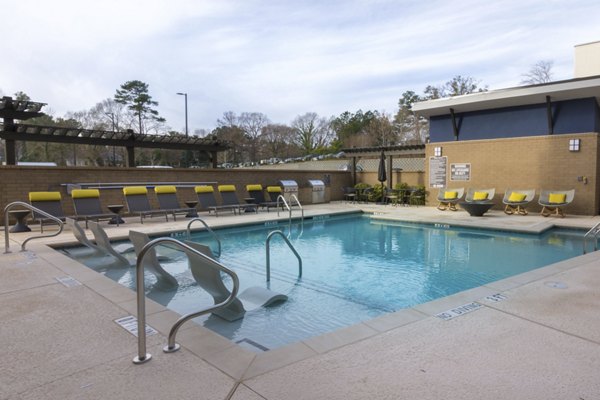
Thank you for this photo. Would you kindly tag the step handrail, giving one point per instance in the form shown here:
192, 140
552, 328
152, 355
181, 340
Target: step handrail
215, 236
33, 209
143, 356
290, 245
594, 231
289, 208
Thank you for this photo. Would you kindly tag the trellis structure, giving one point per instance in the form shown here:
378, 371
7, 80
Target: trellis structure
11, 132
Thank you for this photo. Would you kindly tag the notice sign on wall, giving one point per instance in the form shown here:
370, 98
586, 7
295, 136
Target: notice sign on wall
460, 172
437, 171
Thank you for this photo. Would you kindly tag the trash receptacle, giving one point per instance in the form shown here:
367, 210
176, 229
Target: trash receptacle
318, 190
290, 188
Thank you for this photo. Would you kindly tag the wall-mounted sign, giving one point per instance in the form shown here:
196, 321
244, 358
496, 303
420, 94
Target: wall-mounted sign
460, 172
437, 171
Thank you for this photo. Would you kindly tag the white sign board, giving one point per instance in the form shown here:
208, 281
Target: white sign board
437, 171
460, 172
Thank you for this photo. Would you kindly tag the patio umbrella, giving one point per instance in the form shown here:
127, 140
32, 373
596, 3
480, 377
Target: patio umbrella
381, 173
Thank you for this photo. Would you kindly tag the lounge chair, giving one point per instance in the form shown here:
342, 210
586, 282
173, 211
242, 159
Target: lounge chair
257, 193
448, 198
137, 201
553, 201
102, 245
209, 278
516, 200
206, 198
87, 206
349, 194
475, 195
165, 281
230, 199
49, 202
167, 200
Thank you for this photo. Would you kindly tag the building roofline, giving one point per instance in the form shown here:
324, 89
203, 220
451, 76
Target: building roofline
570, 89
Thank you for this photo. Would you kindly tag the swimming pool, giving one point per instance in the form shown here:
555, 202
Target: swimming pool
354, 268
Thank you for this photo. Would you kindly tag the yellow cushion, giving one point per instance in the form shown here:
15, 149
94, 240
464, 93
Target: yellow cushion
254, 188
516, 197
477, 196
226, 188
85, 193
204, 189
274, 189
133, 190
44, 196
165, 189
557, 198
450, 195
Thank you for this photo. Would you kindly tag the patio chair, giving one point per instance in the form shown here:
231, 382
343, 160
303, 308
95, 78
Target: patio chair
137, 201
207, 201
102, 245
103, 242
516, 200
209, 278
86, 203
256, 192
49, 202
417, 197
349, 194
167, 200
553, 201
164, 280
474, 195
448, 198
229, 197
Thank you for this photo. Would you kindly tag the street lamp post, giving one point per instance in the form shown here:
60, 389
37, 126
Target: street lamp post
186, 117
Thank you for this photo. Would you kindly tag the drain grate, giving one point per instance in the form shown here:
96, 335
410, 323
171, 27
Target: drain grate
251, 344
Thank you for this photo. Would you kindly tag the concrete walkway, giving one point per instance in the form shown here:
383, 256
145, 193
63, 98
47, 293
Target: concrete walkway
532, 336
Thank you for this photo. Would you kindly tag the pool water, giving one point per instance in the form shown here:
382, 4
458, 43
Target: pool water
354, 268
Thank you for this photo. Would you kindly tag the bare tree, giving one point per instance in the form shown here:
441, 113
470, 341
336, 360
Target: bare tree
312, 132
540, 72
252, 124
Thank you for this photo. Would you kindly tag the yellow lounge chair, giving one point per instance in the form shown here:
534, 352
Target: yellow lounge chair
552, 201
515, 200
448, 198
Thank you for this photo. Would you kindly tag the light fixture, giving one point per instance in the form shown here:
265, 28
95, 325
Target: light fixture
574, 144
186, 112
437, 151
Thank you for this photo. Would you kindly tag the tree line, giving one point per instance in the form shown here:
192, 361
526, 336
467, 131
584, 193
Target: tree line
252, 135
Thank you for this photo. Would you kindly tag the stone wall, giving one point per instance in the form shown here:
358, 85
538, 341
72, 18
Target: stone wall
540, 162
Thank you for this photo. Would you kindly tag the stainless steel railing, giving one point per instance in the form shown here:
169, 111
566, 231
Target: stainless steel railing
289, 208
593, 232
172, 346
215, 236
33, 209
268, 250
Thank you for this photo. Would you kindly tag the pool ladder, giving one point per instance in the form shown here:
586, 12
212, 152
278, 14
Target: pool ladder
214, 235
289, 207
593, 233
33, 209
292, 248
172, 346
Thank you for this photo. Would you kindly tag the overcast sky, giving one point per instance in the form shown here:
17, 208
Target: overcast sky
280, 58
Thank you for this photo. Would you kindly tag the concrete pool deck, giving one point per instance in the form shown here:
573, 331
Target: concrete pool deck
531, 336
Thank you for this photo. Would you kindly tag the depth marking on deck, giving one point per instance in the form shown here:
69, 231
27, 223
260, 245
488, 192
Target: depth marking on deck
498, 297
68, 281
130, 322
458, 311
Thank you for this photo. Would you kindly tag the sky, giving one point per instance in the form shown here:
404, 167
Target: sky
280, 58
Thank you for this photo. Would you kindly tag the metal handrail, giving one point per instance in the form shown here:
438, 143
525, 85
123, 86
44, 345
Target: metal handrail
215, 236
143, 356
289, 208
268, 250
33, 209
594, 231
293, 197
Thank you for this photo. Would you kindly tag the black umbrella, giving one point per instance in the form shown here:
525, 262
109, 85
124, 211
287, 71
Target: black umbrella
381, 174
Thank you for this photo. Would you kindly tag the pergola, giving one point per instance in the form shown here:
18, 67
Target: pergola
11, 110
414, 149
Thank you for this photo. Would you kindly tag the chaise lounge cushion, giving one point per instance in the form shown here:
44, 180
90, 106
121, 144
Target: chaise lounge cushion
557, 198
480, 196
450, 195
516, 197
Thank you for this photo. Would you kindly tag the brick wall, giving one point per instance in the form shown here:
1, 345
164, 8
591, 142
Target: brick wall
540, 162
17, 181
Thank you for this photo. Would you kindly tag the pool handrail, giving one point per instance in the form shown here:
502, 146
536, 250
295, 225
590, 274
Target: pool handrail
143, 356
593, 232
290, 245
289, 208
33, 209
215, 236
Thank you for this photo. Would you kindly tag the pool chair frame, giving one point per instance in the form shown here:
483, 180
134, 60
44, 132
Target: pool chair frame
49, 202
517, 207
138, 203
86, 203
256, 191
167, 201
554, 208
449, 204
207, 200
230, 199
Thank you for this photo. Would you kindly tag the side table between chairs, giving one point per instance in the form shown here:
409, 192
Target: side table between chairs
116, 209
21, 224
191, 204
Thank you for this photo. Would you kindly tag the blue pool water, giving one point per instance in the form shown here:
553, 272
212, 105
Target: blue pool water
354, 268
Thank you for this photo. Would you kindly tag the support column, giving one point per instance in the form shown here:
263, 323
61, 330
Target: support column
10, 148
454, 125
213, 156
131, 156
353, 171
390, 172
549, 115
